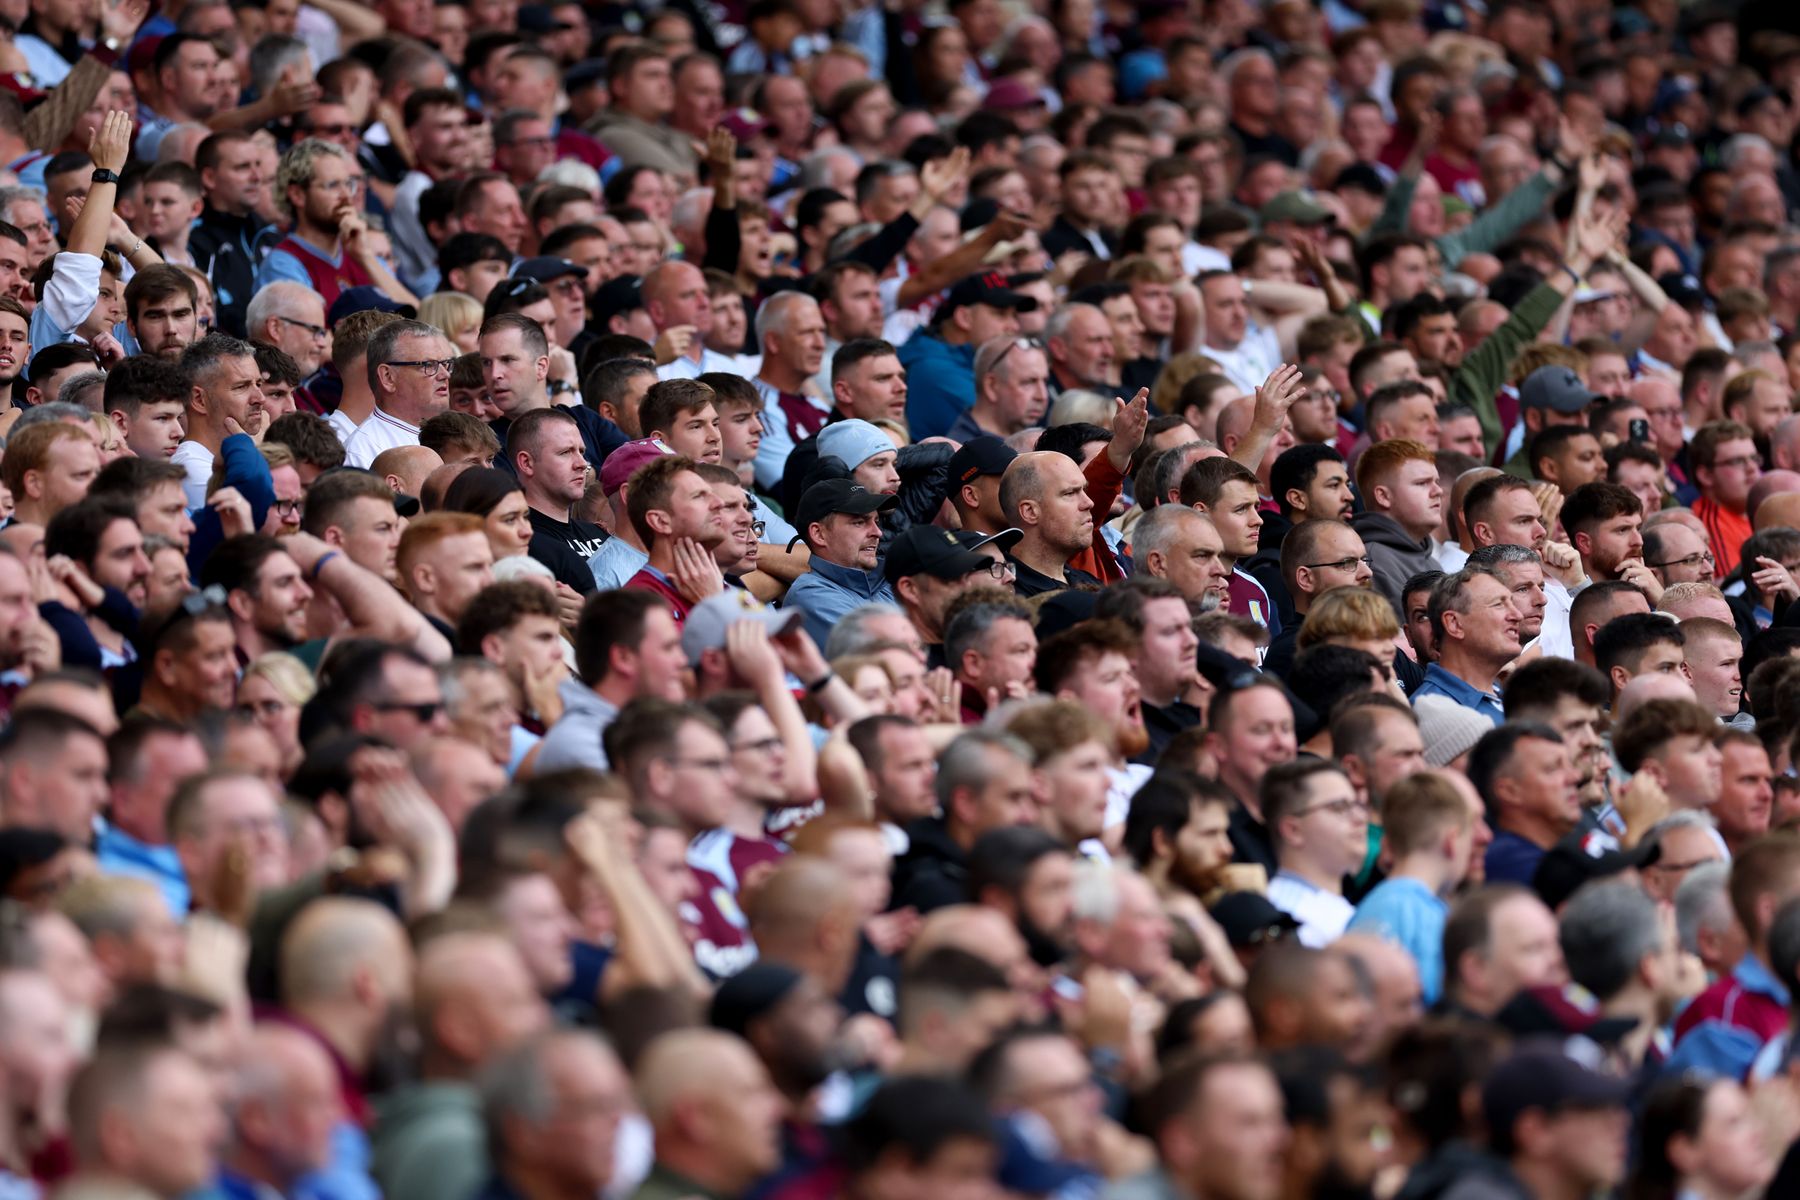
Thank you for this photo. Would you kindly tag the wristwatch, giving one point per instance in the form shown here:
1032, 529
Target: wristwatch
102, 175
561, 387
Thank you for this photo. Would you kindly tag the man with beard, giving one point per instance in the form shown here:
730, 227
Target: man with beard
329, 248
1433, 833
1163, 662
1174, 542
792, 1023
1570, 698
1177, 833
983, 783
841, 524
346, 976
1604, 522
1091, 663
15, 348
162, 311
1024, 874
1333, 1108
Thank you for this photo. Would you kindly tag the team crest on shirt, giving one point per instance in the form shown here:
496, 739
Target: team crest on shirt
728, 908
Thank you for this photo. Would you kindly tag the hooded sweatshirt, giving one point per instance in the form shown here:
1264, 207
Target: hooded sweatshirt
1393, 556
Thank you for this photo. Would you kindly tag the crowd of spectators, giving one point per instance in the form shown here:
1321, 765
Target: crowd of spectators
924, 600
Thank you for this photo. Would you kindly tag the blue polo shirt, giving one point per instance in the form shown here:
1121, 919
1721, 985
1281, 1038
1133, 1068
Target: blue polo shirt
1439, 682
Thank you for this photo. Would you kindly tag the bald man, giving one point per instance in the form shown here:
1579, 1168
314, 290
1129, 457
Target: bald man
1651, 686
1044, 495
716, 1114
1393, 980
473, 1000
553, 1105
406, 468
346, 976
1234, 424
284, 1103
1780, 508
805, 916
986, 933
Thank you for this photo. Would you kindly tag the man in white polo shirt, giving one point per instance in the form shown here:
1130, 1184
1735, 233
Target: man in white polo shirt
409, 374
1320, 828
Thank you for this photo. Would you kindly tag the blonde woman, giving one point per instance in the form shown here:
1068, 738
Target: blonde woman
457, 314
272, 692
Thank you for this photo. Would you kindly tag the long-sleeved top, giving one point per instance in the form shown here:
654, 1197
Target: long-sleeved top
1725, 1025
940, 383
1393, 556
1483, 371
229, 249
1492, 228
247, 471
827, 592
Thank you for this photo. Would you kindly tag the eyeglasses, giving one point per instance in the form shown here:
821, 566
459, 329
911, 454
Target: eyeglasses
759, 527
318, 331
1692, 560
1015, 344
328, 131
768, 745
997, 569
425, 711
348, 187
289, 508
207, 598
433, 367
1342, 564
1741, 463
536, 143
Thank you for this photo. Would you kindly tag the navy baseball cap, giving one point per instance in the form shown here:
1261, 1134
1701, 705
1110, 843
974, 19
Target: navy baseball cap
985, 455
362, 297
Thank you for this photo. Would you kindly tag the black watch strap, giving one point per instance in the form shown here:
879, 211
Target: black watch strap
102, 175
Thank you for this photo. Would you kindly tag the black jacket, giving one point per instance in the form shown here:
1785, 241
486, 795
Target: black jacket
228, 250
934, 871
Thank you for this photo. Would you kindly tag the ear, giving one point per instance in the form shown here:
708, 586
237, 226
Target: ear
334, 536
543, 368
1583, 542
1296, 499
1156, 564
33, 482
163, 667
1303, 580
1620, 677
659, 522
1381, 495
493, 648
33, 395
1161, 846
196, 399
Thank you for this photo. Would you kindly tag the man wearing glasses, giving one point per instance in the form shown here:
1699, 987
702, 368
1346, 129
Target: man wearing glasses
1726, 466
291, 318
409, 372
1320, 828
928, 567
319, 186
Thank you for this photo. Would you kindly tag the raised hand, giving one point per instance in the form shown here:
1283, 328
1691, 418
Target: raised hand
106, 348
1277, 394
721, 149
111, 143
120, 20
294, 94
752, 656
234, 512
941, 175
1773, 579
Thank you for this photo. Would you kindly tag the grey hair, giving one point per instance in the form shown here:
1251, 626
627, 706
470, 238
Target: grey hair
14, 193
970, 627
1156, 531
815, 171
965, 762
992, 351
1745, 354
44, 414
1080, 404
1503, 555
384, 346
776, 311
75, 389
851, 634
203, 357
690, 208
180, 143
1606, 930
1235, 61
1702, 904
516, 1085
273, 54
451, 676
574, 173
1740, 144
273, 300
1060, 320
1173, 465
1094, 894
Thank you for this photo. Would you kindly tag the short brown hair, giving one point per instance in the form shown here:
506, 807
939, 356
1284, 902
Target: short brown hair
29, 450
1707, 439
1076, 650
1654, 724
1381, 460
350, 336
1419, 809
651, 486
1767, 866
498, 607
1056, 726
452, 428
667, 400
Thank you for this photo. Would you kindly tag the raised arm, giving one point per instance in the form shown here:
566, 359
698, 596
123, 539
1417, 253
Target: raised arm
373, 608
1273, 399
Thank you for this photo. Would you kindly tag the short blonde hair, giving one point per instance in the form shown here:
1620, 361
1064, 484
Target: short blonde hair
1352, 613
285, 673
453, 313
1057, 726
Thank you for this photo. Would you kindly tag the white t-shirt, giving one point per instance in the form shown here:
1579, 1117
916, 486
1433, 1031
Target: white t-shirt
197, 461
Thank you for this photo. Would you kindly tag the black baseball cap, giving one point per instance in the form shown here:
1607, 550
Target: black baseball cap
546, 267
991, 288
984, 455
830, 496
365, 296
616, 297
1540, 1075
1248, 919
1581, 857
944, 553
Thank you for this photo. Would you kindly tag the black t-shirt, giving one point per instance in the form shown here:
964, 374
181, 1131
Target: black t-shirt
565, 547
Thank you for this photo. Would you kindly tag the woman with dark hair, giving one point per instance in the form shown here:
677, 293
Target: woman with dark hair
497, 498
1698, 1140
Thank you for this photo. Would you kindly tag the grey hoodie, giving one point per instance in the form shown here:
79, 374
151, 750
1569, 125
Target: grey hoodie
1393, 556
